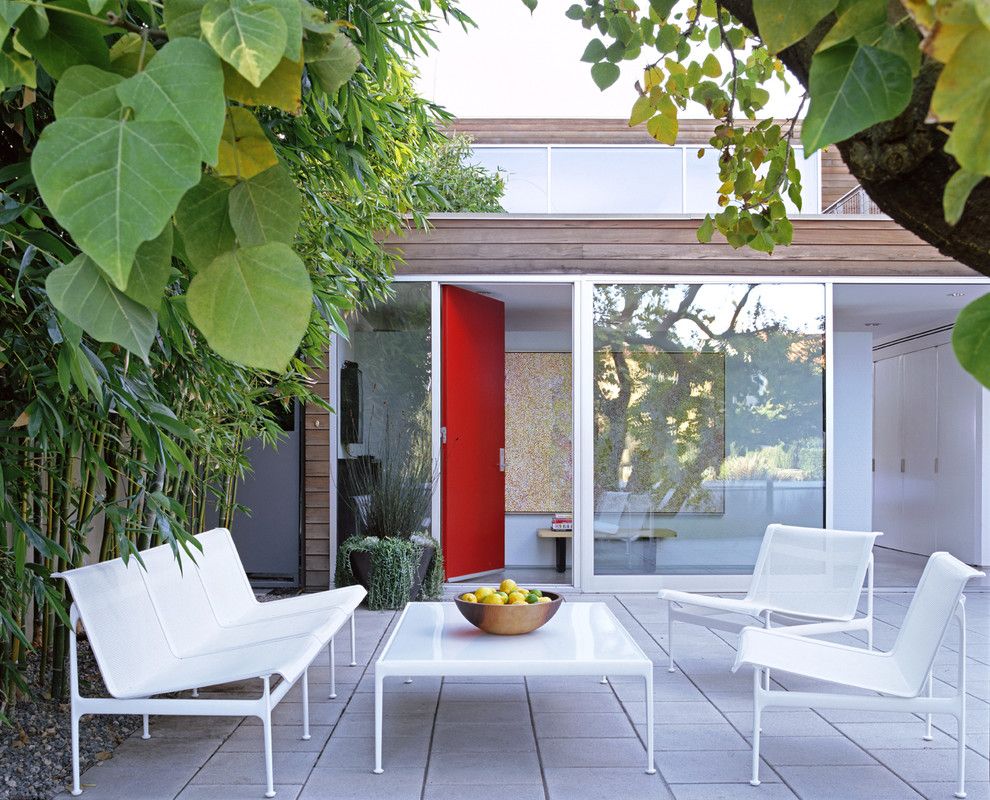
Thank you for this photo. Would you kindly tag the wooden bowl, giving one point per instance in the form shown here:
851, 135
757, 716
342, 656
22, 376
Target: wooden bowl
510, 620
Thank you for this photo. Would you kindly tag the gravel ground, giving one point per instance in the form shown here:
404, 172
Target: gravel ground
35, 753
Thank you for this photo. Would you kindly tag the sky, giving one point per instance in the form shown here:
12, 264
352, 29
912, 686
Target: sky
519, 65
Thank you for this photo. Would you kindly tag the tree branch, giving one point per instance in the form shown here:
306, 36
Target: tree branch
901, 163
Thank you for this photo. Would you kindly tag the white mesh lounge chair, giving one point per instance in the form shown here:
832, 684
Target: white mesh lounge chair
899, 677
140, 654
234, 602
801, 575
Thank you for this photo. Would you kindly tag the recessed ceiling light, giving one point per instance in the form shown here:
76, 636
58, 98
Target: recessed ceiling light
956, 294
872, 324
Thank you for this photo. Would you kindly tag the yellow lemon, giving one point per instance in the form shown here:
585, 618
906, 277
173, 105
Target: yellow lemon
494, 600
517, 602
469, 597
482, 593
543, 600
507, 586
517, 596
520, 589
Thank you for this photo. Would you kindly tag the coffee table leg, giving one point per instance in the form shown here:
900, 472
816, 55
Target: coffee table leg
650, 768
379, 692
561, 554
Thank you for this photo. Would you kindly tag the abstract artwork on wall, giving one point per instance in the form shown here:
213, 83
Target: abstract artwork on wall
539, 461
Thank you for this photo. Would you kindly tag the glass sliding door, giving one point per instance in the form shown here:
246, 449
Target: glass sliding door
708, 408
385, 399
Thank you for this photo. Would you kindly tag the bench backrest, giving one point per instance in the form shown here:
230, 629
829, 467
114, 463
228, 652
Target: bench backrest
223, 574
123, 629
931, 610
817, 572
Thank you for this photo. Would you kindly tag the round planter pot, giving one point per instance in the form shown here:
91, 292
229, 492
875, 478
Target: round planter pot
361, 566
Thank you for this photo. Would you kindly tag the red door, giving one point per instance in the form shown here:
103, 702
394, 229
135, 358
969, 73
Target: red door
472, 392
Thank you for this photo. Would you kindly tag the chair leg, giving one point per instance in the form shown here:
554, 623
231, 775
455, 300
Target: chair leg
757, 714
961, 751
266, 721
928, 717
305, 704
333, 672
670, 640
145, 733
76, 790
353, 639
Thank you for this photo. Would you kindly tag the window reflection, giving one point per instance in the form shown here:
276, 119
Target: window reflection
708, 422
628, 180
525, 173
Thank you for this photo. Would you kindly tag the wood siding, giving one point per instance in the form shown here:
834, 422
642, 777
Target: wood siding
316, 489
836, 178
504, 244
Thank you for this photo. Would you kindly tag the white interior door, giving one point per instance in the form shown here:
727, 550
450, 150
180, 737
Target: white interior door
887, 478
919, 412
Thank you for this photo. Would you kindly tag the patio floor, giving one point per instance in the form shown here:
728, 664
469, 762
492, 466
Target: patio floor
567, 739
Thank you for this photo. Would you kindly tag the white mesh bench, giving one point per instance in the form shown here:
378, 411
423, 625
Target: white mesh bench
165, 630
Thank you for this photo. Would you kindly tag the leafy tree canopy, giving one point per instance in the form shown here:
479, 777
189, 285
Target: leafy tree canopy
901, 88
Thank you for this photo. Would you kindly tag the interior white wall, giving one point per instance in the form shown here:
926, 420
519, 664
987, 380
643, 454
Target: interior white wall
853, 448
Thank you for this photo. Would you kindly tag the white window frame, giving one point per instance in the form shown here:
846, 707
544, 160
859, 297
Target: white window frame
582, 288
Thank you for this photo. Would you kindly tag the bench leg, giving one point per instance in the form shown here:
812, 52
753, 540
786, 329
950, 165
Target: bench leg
305, 704
353, 647
670, 639
333, 672
928, 717
266, 721
145, 733
75, 754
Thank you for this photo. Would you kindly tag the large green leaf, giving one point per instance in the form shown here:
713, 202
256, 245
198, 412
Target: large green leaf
253, 304
605, 74
113, 184
860, 18
971, 339
70, 40
183, 84
781, 23
292, 17
81, 292
251, 37
957, 191
86, 91
182, 18
282, 89
203, 220
130, 54
16, 69
244, 148
331, 59
962, 96
266, 208
852, 87
10, 12
151, 270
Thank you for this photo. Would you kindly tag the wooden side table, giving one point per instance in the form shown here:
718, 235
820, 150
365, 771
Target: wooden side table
560, 538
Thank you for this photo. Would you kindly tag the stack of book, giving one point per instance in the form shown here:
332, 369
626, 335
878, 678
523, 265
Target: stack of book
562, 522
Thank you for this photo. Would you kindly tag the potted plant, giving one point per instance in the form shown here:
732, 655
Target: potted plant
391, 494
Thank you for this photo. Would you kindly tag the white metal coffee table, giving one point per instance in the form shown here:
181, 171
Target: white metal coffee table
433, 639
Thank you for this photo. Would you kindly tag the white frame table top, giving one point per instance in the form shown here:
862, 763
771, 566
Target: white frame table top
433, 639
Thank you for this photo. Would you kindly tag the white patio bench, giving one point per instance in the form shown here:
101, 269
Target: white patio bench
165, 630
897, 678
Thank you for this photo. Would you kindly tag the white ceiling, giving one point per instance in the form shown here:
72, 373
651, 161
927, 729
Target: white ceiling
900, 308
531, 306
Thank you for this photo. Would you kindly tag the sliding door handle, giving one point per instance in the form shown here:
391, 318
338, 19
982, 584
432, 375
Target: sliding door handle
501, 459
903, 465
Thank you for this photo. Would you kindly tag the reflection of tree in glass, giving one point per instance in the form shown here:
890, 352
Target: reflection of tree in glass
391, 343
670, 359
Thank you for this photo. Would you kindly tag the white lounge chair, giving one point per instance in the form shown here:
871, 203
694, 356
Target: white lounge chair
234, 601
899, 676
144, 648
801, 574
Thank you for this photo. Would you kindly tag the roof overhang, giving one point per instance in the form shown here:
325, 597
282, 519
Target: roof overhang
823, 246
